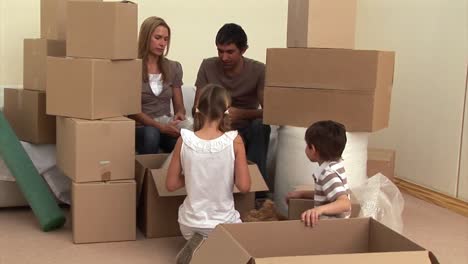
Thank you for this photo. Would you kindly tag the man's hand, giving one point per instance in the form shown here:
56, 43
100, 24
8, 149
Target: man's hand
235, 115
311, 216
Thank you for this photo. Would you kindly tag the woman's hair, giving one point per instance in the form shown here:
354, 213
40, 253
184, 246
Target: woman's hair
144, 44
212, 105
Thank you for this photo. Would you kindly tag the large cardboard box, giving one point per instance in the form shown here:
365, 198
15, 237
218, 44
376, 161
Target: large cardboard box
99, 150
158, 208
381, 160
53, 19
93, 88
298, 206
352, 87
103, 211
354, 240
102, 30
26, 112
35, 61
321, 23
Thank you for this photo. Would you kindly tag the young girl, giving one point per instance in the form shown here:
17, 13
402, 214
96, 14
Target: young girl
212, 159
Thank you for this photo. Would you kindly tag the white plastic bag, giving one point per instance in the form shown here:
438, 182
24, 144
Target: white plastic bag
381, 200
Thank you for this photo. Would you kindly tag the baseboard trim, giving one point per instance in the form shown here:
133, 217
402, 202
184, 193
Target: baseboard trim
434, 197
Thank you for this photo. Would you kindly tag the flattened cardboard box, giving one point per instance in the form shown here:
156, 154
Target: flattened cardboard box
381, 160
321, 24
99, 150
35, 61
26, 112
109, 30
354, 240
93, 88
53, 19
103, 211
158, 208
352, 87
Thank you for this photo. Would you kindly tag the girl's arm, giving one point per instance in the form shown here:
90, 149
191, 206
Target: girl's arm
241, 170
175, 180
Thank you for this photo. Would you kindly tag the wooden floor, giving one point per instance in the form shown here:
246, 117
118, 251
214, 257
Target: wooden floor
21, 242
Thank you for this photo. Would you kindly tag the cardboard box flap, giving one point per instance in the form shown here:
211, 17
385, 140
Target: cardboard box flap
143, 166
221, 247
417, 257
151, 161
258, 184
301, 240
160, 175
384, 239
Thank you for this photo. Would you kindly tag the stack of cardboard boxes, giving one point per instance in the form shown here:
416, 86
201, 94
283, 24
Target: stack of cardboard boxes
25, 109
320, 76
90, 91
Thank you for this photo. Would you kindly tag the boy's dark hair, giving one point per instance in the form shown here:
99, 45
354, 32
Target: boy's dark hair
232, 33
328, 138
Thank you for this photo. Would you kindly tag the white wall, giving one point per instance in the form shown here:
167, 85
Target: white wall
429, 37
463, 183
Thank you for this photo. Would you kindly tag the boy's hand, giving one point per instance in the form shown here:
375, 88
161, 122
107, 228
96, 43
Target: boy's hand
293, 195
311, 216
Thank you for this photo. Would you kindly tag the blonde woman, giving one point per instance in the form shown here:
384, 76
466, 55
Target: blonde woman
161, 82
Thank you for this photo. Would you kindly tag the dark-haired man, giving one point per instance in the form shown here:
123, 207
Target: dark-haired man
244, 78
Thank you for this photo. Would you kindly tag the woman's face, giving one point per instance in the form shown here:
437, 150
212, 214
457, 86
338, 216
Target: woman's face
159, 40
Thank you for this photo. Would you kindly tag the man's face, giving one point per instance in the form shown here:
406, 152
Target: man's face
230, 55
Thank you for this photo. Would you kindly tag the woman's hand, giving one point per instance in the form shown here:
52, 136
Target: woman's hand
179, 116
171, 129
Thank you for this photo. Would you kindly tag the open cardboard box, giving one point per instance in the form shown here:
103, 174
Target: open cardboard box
354, 240
158, 208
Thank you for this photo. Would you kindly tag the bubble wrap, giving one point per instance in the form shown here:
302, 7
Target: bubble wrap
381, 200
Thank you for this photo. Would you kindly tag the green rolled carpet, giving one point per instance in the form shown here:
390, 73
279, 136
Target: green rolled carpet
32, 185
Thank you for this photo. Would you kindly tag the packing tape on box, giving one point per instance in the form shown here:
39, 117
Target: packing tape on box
105, 170
293, 168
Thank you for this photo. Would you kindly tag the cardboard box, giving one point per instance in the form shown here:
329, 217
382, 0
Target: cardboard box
53, 19
107, 30
352, 87
298, 206
35, 61
93, 88
26, 112
103, 211
354, 240
158, 208
100, 150
381, 160
321, 23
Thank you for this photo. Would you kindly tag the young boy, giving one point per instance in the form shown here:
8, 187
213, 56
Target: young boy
326, 141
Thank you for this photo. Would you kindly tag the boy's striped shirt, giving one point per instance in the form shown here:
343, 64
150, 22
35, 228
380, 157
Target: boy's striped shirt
330, 183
